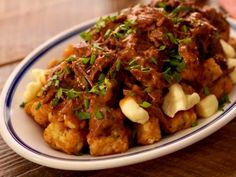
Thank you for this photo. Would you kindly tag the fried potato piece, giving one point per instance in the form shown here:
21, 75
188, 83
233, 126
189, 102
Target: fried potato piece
211, 72
182, 120
221, 87
62, 138
107, 135
39, 112
149, 132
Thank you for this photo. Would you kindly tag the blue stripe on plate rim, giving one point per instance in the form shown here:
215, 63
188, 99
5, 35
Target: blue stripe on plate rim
20, 74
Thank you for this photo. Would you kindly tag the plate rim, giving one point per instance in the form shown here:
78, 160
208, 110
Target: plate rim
156, 152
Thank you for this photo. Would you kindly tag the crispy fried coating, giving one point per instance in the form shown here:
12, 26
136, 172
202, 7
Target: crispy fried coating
182, 120
107, 135
38, 111
62, 138
221, 87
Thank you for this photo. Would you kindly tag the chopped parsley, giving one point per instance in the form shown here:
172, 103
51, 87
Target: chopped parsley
101, 23
55, 102
96, 46
223, 100
55, 80
101, 78
172, 38
186, 40
161, 5
92, 59
59, 93
145, 69
38, 106
86, 35
130, 93
71, 94
99, 115
82, 115
70, 59
107, 33
100, 87
145, 104
86, 104
57, 98
22, 105
148, 89
133, 62
124, 29
162, 47
118, 64
67, 70
185, 28
173, 67
85, 60
177, 20
153, 60
206, 90
179, 9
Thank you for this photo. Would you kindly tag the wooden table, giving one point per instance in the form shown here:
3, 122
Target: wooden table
24, 25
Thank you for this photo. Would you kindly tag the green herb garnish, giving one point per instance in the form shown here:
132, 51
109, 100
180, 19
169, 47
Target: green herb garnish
85, 60
145, 104
172, 38
55, 102
223, 100
96, 46
179, 9
162, 47
57, 98
186, 40
148, 89
124, 29
118, 64
101, 78
70, 59
153, 60
92, 59
146, 69
101, 23
82, 115
107, 33
133, 62
86, 36
71, 94
161, 5
38, 106
86, 104
185, 28
22, 105
99, 115
59, 93
100, 87
177, 20
206, 90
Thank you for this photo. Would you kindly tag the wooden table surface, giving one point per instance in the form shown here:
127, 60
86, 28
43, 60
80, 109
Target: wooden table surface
25, 24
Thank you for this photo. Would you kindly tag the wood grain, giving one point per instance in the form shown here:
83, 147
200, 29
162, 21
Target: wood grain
24, 25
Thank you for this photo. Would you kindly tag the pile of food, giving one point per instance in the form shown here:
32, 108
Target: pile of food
148, 71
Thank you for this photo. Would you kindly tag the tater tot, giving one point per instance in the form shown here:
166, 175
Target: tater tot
62, 138
182, 120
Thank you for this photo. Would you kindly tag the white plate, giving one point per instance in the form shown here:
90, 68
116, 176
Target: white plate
24, 136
